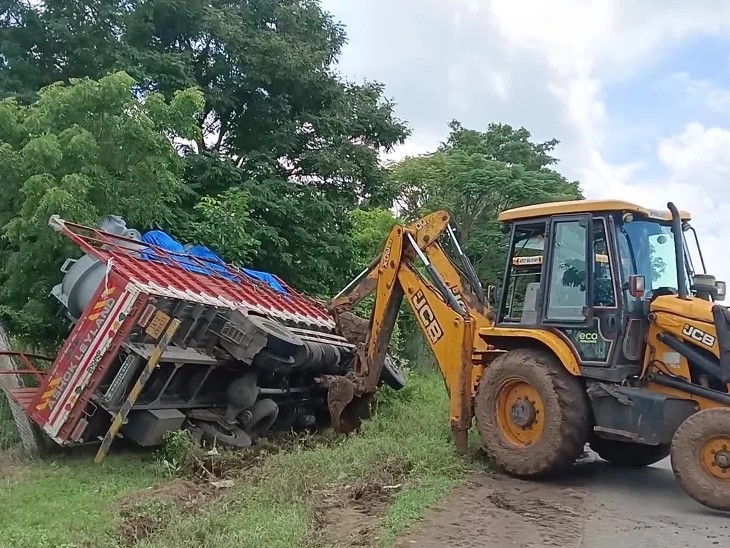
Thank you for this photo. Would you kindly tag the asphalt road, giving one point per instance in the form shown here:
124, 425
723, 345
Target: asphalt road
647, 508
597, 506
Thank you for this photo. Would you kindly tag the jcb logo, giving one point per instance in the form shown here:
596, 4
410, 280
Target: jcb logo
698, 335
427, 318
457, 295
589, 338
386, 255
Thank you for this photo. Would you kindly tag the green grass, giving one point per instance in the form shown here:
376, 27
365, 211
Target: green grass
63, 502
8, 434
275, 503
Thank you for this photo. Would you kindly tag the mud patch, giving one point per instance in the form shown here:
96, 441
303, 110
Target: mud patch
143, 513
212, 464
493, 510
351, 515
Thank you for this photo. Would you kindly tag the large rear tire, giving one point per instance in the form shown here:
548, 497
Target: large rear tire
701, 457
629, 455
533, 417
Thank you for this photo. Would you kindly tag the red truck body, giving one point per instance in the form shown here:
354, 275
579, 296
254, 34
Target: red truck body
127, 318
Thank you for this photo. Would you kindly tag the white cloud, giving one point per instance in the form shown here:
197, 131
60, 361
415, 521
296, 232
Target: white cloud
699, 152
701, 91
697, 172
585, 44
546, 66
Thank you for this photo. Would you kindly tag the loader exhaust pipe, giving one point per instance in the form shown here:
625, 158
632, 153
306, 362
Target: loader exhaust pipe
678, 251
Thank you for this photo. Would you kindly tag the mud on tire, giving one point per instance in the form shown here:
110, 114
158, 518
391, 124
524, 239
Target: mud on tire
694, 456
564, 406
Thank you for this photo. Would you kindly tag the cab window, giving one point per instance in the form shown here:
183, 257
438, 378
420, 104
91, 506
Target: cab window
603, 291
568, 281
523, 276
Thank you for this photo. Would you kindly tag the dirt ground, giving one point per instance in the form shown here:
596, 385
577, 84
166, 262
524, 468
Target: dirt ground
598, 506
143, 513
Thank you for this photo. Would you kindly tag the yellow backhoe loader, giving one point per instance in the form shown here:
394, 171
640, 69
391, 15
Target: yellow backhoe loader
601, 332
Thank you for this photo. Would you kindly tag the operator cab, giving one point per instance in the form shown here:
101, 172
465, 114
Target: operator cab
599, 306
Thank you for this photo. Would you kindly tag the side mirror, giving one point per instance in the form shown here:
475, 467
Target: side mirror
637, 286
721, 291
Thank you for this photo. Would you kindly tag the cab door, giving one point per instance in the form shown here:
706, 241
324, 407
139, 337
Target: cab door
567, 285
580, 296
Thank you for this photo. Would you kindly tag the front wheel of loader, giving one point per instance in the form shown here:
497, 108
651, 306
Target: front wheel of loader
701, 457
533, 417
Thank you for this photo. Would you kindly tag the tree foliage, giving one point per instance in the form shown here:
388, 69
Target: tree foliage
81, 151
282, 140
275, 164
272, 101
476, 175
370, 228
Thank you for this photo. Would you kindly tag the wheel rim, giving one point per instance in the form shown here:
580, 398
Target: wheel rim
715, 457
520, 412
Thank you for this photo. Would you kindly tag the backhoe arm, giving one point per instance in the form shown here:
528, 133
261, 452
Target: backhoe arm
443, 317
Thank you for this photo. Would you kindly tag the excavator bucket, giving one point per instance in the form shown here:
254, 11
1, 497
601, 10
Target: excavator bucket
347, 410
348, 398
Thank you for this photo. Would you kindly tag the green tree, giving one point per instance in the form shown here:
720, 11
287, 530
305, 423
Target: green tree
223, 223
81, 151
299, 233
370, 228
476, 175
280, 130
503, 143
272, 100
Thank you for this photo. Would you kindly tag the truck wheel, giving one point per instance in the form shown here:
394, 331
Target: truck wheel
263, 416
280, 340
701, 457
233, 437
629, 455
533, 417
392, 374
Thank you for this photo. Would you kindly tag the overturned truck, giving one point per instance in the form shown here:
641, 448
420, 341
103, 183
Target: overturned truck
165, 339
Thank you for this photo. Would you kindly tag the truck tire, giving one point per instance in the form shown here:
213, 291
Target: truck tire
263, 416
629, 455
533, 416
281, 341
392, 375
229, 437
701, 457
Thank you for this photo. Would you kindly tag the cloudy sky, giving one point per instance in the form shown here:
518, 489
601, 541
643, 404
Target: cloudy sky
638, 92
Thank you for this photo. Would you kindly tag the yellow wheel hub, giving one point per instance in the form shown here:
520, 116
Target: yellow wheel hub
520, 412
715, 456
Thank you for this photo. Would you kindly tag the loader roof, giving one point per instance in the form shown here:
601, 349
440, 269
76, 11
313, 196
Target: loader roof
586, 206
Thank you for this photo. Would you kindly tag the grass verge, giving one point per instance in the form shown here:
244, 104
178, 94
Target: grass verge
66, 502
323, 491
